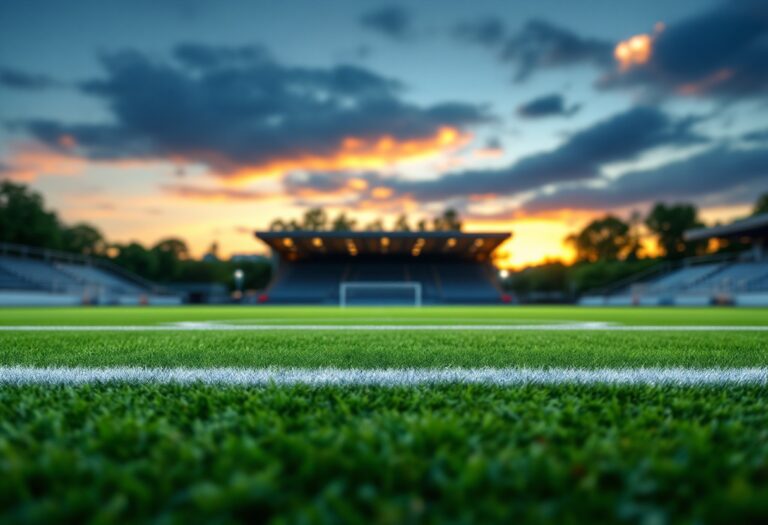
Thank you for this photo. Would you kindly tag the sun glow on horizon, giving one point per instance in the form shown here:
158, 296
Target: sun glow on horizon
361, 154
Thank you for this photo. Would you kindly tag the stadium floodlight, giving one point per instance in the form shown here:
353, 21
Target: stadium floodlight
239, 279
387, 287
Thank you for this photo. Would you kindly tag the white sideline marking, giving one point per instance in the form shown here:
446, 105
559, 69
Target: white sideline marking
19, 375
210, 326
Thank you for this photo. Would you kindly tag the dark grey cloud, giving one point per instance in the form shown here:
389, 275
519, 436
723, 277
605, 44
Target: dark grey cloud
208, 57
622, 137
721, 53
321, 182
546, 106
21, 80
759, 135
332, 182
488, 31
393, 21
541, 45
233, 107
720, 169
493, 143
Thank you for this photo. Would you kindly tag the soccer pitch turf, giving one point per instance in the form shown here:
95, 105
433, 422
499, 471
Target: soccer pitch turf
131, 414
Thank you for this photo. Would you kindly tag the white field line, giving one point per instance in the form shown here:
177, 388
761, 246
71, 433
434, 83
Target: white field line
176, 327
18, 375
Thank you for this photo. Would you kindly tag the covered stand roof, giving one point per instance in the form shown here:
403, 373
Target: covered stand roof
753, 227
298, 245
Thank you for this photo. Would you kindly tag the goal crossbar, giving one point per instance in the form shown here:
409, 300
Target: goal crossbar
344, 286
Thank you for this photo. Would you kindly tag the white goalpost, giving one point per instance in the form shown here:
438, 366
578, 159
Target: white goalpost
388, 286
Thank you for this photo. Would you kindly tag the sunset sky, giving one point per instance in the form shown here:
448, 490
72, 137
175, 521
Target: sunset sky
207, 120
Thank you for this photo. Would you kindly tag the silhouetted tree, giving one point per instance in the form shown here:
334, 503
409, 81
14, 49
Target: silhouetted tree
669, 224
634, 237
84, 239
315, 219
401, 224
375, 225
342, 223
169, 253
24, 220
138, 259
605, 239
448, 221
761, 206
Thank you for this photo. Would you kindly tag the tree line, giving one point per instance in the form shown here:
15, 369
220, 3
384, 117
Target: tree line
611, 239
25, 220
316, 219
609, 249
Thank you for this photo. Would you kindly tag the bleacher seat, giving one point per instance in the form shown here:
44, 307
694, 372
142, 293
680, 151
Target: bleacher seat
319, 282
10, 281
736, 277
41, 274
695, 285
461, 282
98, 278
32, 276
681, 279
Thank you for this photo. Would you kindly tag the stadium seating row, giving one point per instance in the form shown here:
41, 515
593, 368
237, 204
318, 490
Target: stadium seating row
319, 282
71, 280
728, 282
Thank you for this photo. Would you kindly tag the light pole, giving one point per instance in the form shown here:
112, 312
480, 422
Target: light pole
239, 282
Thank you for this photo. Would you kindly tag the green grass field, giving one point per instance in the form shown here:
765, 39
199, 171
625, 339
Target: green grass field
170, 453
389, 315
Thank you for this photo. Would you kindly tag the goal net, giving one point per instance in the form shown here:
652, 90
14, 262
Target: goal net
379, 293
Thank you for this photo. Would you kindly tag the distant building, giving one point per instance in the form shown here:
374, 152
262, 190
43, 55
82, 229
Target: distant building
383, 267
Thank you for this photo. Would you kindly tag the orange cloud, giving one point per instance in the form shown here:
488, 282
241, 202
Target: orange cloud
636, 50
707, 83
67, 141
381, 192
358, 184
187, 191
633, 51
28, 162
362, 154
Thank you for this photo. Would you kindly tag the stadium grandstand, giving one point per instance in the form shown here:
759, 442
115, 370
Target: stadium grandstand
739, 278
38, 277
381, 267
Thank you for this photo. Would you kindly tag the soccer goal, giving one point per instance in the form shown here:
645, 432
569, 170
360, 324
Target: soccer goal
379, 293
